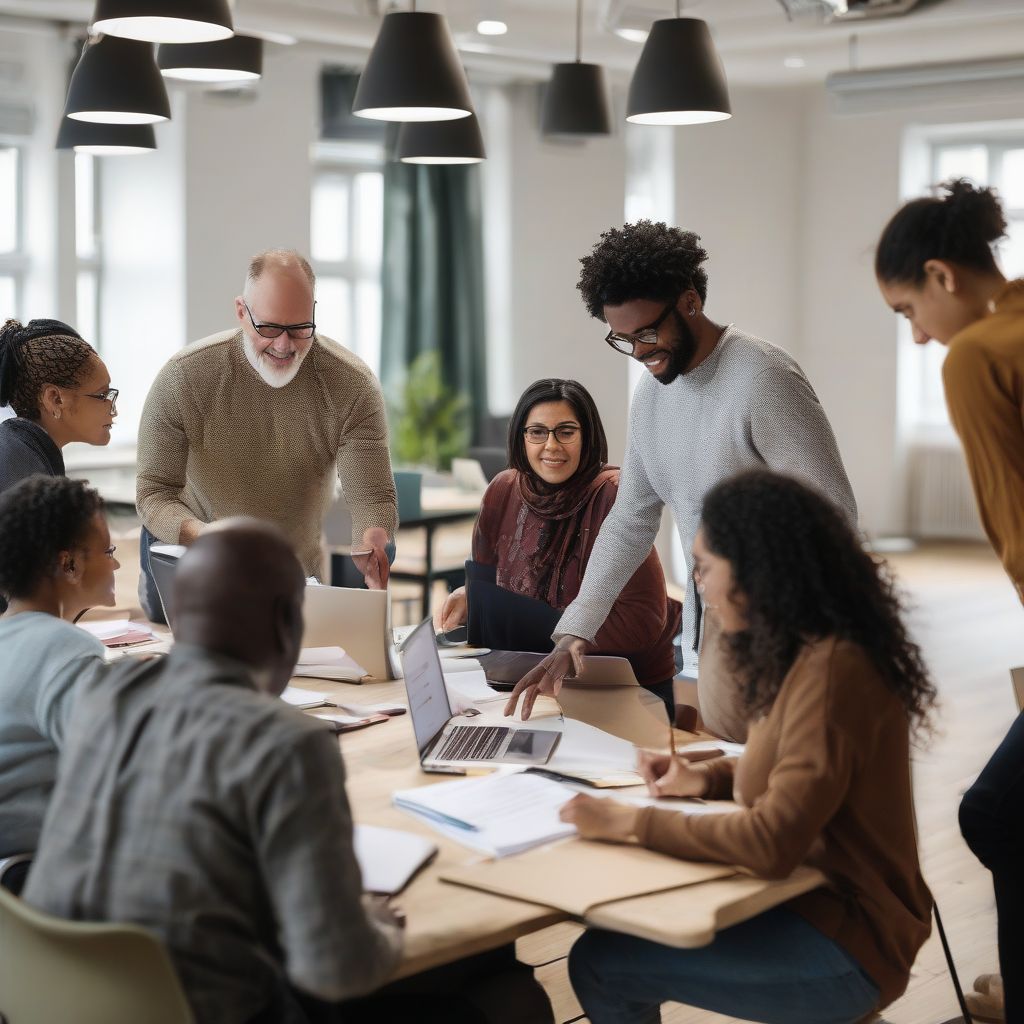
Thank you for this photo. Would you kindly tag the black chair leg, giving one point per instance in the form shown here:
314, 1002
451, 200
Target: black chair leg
952, 966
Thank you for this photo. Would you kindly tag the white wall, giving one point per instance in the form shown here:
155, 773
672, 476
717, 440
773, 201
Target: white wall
563, 195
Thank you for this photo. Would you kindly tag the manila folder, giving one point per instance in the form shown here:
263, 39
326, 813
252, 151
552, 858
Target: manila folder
578, 874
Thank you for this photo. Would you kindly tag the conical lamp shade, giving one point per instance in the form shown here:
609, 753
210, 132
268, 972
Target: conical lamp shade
117, 82
679, 78
105, 139
441, 142
238, 59
164, 21
413, 72
576, 101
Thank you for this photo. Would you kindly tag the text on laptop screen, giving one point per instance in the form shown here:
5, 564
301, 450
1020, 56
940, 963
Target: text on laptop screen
424, 683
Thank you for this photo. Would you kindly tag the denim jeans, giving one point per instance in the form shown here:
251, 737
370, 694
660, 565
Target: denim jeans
149, 598
776, 968
992, 821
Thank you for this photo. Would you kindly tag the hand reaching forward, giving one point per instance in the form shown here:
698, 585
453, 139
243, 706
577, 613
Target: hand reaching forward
566, 660
600, 818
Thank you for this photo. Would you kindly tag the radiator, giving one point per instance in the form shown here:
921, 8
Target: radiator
940, 500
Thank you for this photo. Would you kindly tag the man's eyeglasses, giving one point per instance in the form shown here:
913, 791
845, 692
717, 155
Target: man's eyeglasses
300, 332
565, 433
627, 343
110, 395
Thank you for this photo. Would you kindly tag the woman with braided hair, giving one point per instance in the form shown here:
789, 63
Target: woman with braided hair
56, 560
60, 390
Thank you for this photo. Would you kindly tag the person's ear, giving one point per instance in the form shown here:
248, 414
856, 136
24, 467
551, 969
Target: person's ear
70, 564
943, 274
51, 402
240, 309
690, 304
287, 629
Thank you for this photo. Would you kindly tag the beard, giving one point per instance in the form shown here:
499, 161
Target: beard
680, 352
268, 373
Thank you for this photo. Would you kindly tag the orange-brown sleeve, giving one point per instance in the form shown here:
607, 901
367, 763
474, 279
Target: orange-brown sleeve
986, 406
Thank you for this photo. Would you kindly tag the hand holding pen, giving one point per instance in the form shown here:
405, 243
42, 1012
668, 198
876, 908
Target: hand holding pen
671, 775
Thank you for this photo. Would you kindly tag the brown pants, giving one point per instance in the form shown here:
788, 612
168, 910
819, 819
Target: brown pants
718, 693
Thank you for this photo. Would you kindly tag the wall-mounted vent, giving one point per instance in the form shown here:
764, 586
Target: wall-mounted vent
847, 10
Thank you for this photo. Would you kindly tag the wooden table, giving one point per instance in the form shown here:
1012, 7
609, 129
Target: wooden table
446, 922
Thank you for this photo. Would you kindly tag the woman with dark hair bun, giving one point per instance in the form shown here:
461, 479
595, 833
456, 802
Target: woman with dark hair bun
833, 687
539, 520
60, 391
56, 560
935, 266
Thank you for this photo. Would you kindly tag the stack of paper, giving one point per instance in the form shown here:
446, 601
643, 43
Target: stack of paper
329, 663
389, 858
498, 815
119, 633
341, 722
300, 698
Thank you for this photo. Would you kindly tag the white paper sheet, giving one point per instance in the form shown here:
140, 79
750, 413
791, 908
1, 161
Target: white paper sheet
469, 689
300, 698
500, 815
389, 857
115, 628
174, 550
329, 663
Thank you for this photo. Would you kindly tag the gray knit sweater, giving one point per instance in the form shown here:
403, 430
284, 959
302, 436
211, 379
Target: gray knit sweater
748, 404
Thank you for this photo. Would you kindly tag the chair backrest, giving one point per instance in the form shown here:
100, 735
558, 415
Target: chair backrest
408, 488
1017, 678
55, 970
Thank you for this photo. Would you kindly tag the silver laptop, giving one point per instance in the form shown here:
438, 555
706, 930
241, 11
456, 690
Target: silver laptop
439, 740
357, 620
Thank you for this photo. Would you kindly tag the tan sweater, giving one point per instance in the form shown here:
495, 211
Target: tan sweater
215, 441
824, 779
984, 380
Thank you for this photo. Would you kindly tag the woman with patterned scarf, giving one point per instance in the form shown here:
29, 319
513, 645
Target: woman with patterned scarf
539, 520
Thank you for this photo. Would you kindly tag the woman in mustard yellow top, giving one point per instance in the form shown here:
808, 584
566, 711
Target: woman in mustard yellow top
935, 266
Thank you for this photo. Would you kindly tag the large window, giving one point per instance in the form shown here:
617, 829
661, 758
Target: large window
346, 238
12, 253
87, 249
997, 158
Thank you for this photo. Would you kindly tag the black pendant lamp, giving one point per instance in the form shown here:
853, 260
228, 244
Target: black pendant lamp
238, 59
576, 98
441, 142
117, 81
413, 72
164, 21
105, 139
679, 78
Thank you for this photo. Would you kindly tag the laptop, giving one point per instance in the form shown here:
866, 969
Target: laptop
163, 563
357, 620
441, 742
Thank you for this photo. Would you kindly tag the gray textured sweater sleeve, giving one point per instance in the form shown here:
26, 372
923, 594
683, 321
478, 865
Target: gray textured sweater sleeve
792, 434
625, 540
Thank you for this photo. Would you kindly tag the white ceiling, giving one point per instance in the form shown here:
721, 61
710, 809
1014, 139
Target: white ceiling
754, 37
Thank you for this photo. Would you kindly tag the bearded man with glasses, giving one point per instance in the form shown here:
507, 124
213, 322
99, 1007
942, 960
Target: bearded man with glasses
256, 420
716, 401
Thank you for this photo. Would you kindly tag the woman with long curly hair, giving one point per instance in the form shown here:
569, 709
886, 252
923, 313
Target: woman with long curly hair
56, 560
833, 687
935, 266
537, 526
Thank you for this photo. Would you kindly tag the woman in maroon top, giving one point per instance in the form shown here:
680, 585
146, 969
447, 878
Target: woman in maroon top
540, 518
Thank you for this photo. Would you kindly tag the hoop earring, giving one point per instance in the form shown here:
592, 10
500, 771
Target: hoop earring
693, 312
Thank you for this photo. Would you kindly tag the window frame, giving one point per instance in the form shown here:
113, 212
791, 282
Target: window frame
93, 263
346, 160
16, 264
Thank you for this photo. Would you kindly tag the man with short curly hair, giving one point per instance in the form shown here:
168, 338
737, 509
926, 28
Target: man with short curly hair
717, 400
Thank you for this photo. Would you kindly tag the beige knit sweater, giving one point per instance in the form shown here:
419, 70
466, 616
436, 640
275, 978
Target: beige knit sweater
217, 441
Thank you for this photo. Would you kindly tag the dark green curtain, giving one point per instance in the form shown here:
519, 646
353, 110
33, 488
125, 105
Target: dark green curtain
433, 279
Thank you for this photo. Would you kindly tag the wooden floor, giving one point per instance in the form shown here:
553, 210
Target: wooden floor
970, 625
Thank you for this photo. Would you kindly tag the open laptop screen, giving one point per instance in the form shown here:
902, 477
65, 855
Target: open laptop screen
424, 684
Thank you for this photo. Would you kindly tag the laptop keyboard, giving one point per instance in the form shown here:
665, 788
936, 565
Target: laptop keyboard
473, 743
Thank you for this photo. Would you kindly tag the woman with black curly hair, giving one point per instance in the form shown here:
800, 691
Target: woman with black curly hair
832, 685
936, 267
60, 390
56, 560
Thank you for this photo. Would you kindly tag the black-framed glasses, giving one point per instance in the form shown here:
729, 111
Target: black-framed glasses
627, 343
299, 332
110, 395
565, 433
